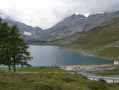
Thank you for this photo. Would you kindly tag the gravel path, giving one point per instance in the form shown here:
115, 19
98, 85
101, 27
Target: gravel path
83, 70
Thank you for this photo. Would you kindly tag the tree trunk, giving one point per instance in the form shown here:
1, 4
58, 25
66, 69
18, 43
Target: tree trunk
9, 68
22, 65
14, 65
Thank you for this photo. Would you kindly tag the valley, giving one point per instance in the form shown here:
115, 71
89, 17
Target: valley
59, 45
96, 35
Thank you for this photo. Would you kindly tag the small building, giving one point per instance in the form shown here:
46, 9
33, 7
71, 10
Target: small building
116, 62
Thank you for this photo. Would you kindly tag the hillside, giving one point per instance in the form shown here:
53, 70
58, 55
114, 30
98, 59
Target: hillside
78, 23
100, 41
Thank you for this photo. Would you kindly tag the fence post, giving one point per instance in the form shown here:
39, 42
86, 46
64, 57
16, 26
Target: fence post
113, 81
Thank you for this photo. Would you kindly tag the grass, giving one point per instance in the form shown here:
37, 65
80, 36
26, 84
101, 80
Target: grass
106, 72
113, 72
111, 52
43, 80
40, 69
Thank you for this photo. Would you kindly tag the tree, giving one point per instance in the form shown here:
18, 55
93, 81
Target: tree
19, 53
1, 39
4, 44
13, 49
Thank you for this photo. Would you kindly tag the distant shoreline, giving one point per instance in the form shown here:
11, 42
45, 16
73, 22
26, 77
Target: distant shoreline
79, 51
86, 53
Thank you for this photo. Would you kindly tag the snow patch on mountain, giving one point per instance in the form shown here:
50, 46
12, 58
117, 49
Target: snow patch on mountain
86, 14
27, 33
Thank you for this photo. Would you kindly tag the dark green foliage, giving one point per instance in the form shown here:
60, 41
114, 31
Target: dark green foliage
13, 49
0, 20
19, 52
4, 45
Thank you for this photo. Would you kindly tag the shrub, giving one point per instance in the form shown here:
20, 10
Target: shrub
101, 80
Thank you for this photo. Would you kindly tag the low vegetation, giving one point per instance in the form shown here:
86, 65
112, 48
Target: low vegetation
109, 71
48, 78
111, 52
113, 72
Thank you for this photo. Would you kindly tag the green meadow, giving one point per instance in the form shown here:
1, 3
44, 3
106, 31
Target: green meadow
48, 78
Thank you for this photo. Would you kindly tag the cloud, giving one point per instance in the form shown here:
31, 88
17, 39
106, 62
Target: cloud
46, 13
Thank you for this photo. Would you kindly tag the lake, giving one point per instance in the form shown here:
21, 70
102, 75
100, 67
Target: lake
51, 55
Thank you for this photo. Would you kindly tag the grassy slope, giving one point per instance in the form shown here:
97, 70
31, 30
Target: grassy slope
102, 41
108, 73
50, 78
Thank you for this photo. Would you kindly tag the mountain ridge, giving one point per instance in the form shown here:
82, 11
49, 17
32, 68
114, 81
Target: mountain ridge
70, 25
26, 31
78, 23
99, 42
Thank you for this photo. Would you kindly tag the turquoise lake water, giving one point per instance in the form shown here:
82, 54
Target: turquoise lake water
50, 55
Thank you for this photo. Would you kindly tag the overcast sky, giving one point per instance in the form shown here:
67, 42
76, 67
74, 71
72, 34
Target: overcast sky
46, 13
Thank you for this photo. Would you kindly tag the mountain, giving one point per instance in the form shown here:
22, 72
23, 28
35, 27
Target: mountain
26, 31
78, 23
100, 41
65, 28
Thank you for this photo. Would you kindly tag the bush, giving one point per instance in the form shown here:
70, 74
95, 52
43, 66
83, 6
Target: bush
101, 80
